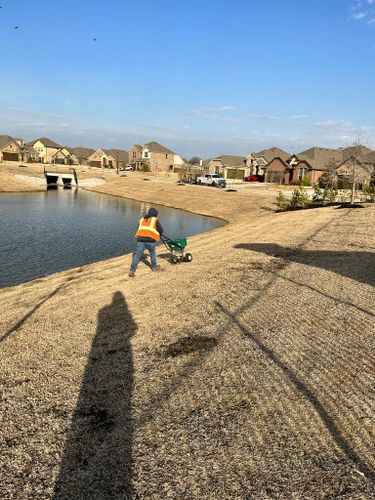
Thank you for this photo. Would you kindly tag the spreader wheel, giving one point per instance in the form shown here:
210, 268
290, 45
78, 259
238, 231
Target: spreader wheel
188, 257
174, 259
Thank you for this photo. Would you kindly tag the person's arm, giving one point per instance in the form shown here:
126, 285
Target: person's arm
159, 228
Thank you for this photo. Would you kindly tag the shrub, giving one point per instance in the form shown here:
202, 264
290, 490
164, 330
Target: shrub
318, 195
330, 194
369, 193
344, 196
299, 198
145, 168
305, 181
281, 201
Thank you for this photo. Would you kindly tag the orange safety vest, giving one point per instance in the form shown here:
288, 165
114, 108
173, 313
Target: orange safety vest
147, 227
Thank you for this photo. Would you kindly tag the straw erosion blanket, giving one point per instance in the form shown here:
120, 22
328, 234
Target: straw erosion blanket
247, 373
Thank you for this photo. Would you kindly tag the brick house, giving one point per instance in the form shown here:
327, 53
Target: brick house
158, 157
259, 161
276, 171
354, 168
294, 169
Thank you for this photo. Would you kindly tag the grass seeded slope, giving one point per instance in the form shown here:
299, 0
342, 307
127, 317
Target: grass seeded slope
248, 373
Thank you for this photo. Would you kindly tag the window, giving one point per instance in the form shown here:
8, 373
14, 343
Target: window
166, 157
301, 173
145, 154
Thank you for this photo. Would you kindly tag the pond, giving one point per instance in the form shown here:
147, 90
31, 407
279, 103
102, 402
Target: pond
45, 232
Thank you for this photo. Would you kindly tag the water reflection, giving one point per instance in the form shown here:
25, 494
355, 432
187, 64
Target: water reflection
45, 232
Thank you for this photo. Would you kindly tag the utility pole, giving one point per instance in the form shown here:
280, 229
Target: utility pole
117, 162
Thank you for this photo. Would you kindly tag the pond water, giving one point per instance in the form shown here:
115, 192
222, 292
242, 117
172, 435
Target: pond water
45, 232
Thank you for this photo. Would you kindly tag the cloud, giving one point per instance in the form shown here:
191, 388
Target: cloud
277, 118
202, 139
333, 123
362, 9
359, 15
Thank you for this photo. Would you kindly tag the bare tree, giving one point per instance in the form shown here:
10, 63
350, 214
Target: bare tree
194, 160
354, 169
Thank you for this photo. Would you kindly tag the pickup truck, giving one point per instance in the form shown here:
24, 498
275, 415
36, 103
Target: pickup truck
211, 180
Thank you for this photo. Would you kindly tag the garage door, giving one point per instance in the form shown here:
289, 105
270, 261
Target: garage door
235, 173
276, 177
10, 157
95, 164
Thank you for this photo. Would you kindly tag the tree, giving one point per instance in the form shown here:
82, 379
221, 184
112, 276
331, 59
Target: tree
194, 160
329, 178
354, 168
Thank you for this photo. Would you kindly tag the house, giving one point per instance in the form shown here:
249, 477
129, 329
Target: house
12, 149
121, 156
81, 154
228, 166
159, 158
189, 172
277, 171
64, 156
310, 164
258, 161
354, 168
101, 159
45, 148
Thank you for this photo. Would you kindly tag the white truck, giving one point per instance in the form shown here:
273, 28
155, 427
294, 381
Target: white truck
214, 180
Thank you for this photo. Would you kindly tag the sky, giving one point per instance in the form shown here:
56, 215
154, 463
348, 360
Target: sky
202, 77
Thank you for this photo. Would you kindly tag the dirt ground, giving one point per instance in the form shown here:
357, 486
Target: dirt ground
247, 373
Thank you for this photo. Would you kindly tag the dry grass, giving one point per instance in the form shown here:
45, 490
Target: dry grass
106, 392
9, 184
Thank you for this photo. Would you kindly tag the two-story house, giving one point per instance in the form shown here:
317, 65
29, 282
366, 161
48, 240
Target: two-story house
45, 148
159, 158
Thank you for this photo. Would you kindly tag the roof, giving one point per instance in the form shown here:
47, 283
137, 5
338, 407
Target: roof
227, 160
286, 165
155, 147
46, 143
6, 139
272, 153
359, 151
320, 158
122, 154
81, 153
369, 158
350, 161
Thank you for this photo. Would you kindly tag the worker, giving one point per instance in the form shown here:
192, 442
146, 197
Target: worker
148, 233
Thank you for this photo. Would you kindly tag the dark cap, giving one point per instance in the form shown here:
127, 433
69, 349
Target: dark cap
152, 212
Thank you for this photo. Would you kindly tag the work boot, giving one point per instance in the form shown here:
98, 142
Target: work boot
156, 268
131, 274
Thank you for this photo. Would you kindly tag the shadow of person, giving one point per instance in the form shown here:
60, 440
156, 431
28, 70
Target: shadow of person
97, 459
359, 266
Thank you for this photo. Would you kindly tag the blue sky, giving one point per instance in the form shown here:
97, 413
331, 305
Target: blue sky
204, 77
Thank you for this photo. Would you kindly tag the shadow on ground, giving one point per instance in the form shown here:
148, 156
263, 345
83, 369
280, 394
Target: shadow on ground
97, 461
359, 266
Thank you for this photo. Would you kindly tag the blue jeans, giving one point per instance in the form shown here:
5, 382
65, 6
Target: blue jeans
141, 247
